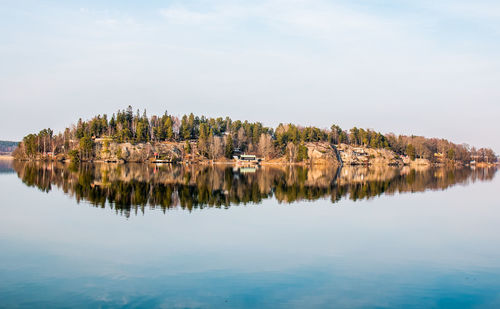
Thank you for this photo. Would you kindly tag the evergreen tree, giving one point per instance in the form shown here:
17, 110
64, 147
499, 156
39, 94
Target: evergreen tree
169, 129
229, 147
410, 151
86, 147
301, 153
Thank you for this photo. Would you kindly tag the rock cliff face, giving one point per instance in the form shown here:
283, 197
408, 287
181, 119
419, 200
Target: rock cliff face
318, 153
126, 152
416, 162
351, 155
322, 154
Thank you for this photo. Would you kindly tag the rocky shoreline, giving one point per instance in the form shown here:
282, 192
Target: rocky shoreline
318, 153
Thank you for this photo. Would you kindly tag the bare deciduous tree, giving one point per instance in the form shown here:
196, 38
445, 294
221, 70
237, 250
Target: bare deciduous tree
265, 145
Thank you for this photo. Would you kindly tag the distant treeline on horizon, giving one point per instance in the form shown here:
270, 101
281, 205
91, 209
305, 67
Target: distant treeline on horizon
7, 146
216, 137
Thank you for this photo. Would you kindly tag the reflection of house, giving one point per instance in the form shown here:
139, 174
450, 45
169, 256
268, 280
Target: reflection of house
245, 170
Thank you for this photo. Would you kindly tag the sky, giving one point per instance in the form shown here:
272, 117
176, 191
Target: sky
423, 67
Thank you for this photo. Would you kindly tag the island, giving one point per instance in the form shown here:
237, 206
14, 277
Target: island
134, 137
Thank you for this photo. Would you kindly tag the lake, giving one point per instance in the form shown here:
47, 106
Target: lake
138, 235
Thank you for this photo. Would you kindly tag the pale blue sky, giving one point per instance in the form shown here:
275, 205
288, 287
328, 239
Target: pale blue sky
424, 67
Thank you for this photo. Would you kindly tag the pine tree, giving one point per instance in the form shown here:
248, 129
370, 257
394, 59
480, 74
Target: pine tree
410, 151
169, 130
229, 147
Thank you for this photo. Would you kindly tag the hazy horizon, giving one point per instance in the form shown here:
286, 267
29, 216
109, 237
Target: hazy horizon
408, 67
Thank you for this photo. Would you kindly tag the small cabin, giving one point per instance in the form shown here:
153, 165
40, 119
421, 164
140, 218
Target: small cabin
248, 158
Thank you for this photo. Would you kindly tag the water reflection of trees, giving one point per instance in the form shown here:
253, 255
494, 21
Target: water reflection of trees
133, 187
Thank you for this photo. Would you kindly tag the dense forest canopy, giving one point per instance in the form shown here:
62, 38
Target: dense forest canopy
216, 137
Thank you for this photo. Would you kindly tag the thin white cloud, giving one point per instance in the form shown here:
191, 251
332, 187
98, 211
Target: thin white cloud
318, 20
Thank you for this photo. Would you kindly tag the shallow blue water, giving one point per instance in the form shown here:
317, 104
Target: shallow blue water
427, 249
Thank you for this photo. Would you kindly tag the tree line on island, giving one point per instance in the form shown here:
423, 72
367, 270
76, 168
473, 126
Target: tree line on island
220, 137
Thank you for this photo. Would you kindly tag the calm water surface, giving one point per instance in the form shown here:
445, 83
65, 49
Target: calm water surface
223, 237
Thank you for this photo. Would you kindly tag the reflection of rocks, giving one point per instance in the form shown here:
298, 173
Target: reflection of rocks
132, 186
350, 174
418, 162
321, 177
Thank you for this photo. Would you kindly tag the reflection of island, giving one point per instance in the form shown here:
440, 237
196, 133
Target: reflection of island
6, 166
127, 187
